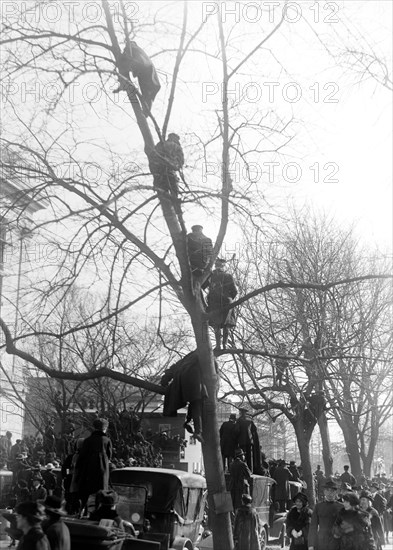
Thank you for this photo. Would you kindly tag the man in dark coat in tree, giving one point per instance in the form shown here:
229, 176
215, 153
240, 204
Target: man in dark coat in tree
222, 291
247, 438
92, 464
228, 440
135, 60
184, 385
200, 250
165, 162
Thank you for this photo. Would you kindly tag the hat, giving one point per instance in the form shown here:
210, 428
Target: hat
232, 416
55, 464
300, 496
243, 409
366, 494
100, 424
52, 504
33, 511
49, 466
196, 227
37, 477
239, 452
174, 137
107, 498
221, 261
352, 498
329, 484
292, 463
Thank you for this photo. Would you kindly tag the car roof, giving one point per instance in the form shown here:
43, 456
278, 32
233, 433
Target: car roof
190, 480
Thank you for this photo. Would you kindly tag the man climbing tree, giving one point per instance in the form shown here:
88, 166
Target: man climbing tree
222, 291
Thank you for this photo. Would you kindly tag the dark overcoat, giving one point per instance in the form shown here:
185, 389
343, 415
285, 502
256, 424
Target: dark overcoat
184, 384
282, 476
324, 515
228, 438
247, 528
34, 539
353, 530
239, 481
300, 521
222, 290
92, 464
58, 533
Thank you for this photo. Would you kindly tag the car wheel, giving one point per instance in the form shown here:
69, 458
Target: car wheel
263, 539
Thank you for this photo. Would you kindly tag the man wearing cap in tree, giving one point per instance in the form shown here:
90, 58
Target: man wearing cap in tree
346, 477
92, 463
29, 516
200, 250
323, 518
247, 438
222, 291
240, 478
228, 440
54, 527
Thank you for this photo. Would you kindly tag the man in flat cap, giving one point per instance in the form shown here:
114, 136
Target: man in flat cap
200, 250
325, 513
222, 291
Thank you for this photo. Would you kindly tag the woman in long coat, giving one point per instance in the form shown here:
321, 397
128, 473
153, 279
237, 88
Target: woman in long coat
248, 527
92, 465
353, 526
298, 523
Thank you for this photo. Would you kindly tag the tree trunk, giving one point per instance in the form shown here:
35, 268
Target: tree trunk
214, 470
351, 444
368, 458
303, 437
325, 437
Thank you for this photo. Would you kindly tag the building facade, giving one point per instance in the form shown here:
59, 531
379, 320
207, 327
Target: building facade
18, 205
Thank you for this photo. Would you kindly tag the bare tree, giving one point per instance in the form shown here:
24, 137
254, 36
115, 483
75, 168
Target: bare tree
124, 229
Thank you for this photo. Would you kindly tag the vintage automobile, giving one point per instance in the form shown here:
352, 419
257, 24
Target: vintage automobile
164, 505
273, 522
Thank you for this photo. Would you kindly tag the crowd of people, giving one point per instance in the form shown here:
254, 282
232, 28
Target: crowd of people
349, 514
